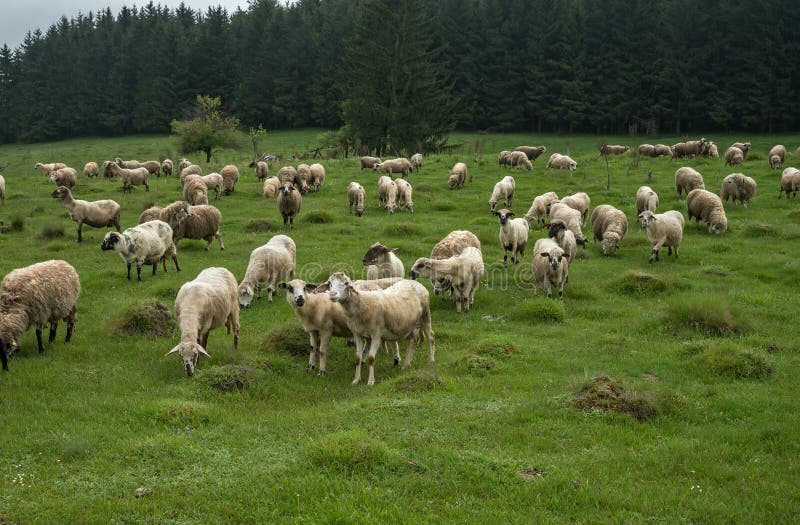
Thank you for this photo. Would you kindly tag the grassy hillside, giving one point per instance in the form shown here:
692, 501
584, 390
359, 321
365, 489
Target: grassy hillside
701, 355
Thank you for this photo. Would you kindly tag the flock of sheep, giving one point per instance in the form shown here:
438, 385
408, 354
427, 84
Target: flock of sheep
384, 308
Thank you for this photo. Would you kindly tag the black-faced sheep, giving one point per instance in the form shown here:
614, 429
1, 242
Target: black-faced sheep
707, 206
356, 196
688, 179
513, 235
148, 243
97, 214
739, 187
663, 229
289, 202
270, 264
609, 226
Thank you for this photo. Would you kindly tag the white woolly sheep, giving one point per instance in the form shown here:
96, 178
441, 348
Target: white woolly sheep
612, 149
564, 237
663, 229
453, 244
503, 190
519, 158
271, 187
91, 169
166, 167
289, 202
153, 167
317, 175
775, 162
205, 303
2, 189
662, 150
404, 194
213, 181
688, 179
532, 152
271, 263
131, 177
458, 175
579, 201
356, 196
368, 162
97, 214
148, 243
399, 165
646, 199
381, 262
128, 164
712, 151
744, 146
195, 190
416, 162
738, 186
202, 223
733, 156
303, 177
230, 176
36, 295
707, 206
550, 267
48, 168
691, 148
647, 150
192, 169
183, 163
287, 174
463, 272
504, 158
107, 173
540, 207
64, 177
513, 235
261, 169
561, 162
571, 218
609, 226
172, 214
790, 182
387, 193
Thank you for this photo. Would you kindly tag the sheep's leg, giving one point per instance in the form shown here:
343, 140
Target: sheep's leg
270, 287
219, 238
146, 187
129, 271
209, 240
396, 352
359, 347
314, 340
53, 327
39, 339
654, 254
373, 350
138, 272
70, 324
175, 260
204, 344
324, 343
155, 266
80, 227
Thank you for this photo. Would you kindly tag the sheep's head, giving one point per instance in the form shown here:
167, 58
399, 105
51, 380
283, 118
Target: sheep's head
246, 294
376, 254
556, 227
391, 207
60, 193
317, 183
110, 241
339, 287
646, 218
421, 268
286, 189
440, 286
554, 257
53, 176
504, 215
190, 353
297, 291
718, 224
573, 165
610, 242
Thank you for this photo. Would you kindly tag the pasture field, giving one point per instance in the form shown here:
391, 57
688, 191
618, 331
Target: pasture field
707, 348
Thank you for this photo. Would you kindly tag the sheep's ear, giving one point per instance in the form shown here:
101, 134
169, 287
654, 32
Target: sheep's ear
202, 350
566, 256
324, 287
310, 287
171, 351
283, 286
511, 214
544, 254
494, 212
393, 250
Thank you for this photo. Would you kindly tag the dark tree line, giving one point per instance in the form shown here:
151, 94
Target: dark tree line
415, 68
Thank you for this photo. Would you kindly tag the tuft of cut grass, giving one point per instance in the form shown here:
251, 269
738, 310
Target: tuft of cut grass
351, 451
493, 348
317, 217
148, 319
400, 229
257, 226
705, 314
637, 282
609, 395
288, 339
228, 378
475, 364
728, 359
539, 310
759, 229
51, 231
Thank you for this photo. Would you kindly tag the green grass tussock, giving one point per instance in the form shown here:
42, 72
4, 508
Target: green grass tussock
728, 359
287, 339
540, 310
476, 364
148, 319
317, 217
350, 452
228, 378
609, 395
51, 231
759, 229
637, 282
400, 229
419, 381
705, 314
257, 226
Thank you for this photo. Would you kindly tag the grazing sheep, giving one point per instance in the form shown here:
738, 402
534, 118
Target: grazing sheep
131, 177
271, 187
790, 182
64, 177
166, 167
48, 168
172, 214
739, 187
712, 151
270, 264
303, 177
184, 163
513, 235
36, 295
458, 175
647, 150
540, 207
561, 162
504, 189
205, 303
381, 262
128, 164
399, 165
2, 189
550, 267
153, 167
609, 226
202, 222
688, 179
744, 146
287, 174
611, 149
662, 150
463, 272
387, 193
646, 199
195, 190
504, 159
518, 158
369, 162
404, 194
192, 169
230, 176
147, 243
401, 311
214, 181
453, 244
579, 201
707, 206
317, 176
356, 196
532, 152
91, 169
416, 162
777, 156
663, 229
564, 237
97, 214
733, 156
571, 218
775, 162
691, 148
289, 202
261, 168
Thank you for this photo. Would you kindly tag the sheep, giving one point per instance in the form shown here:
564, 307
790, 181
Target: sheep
48, 168
513, 235
399, 165
172, 214
777, 156
790, 182
261, 169
147, 243
733, 156
688, 179
192, 169
2, 189
302, 177
504, 158
561, 162
579, 201
230, 176
289, 202
128, 164
646, 199
131, 177
458, 175
270, 188
463, 272
691, 148
646, 150
98, 214
166, 167
195, 190
504, 189
183, 163
564, 237
532, 152
744, 146
387, 193
540, 207
317, 176
153, 167
214, 181
39, 294
64, 177
452, 244
713, 151
739, 187
401, 311
381, 262
368, 162
702, 204
91, 169
550, 267
404, 194
202, 304
202, 222
356, 196
270, 263
662, 150
609, 226
518, 158
571, 218
663, 229
416, 162
611, 149
287, 174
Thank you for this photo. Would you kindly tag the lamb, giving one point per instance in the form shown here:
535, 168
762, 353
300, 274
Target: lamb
195, 190
416, 162
399, 165
183, 163
2, 189
790, 182
647, 150
230, 176
540, 207
561, 162
504, 189
153, 167
646, 199
261, 168
303, 177
564, 237
205, 303
271, 263
147, 243
733, 156
98, 214
91, 169
387, 193
369, 162
504, 158
404, 194
688, 179
381, 262
662, 150
611, 149
739, 187
213, 181
131, 177
401, 311
202, 222
317, 176
702, 204
48, 168
64, 177
513, 235
609, 226
550, 267
166, 167
458, 175
192, 169
128, 164
777, 156
518, 158
289, 202
744, 146
173, 214
39, 294
453, 244
271, 187
463, 272
287, 174
356, 196
579, 201
532, 152
663, 229
571, 218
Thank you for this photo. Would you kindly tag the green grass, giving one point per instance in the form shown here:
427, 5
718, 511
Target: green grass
508, 425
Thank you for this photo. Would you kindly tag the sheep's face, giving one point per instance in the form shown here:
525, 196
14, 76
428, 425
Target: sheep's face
359, 210
109, 241
554, 258
59, 192
492, 205
391, 207
647, 218
556, 227
190, 353
504, 215
297, 291
246, 294
53, 176
718, 227
452, 182
339, 287
441, 286
421, 268
376, 254
573, 165
610, 243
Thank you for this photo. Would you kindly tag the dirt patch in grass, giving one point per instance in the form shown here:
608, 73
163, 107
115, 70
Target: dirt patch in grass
317, 217
287, 339
352, 451
728, 359
609, 395
149, 319
636, 282
530, 474
257, 226
229, 378
705, 314
419, 381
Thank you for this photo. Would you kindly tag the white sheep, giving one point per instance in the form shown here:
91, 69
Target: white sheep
738, 186
381, 262
416, 162
271, 263
564, 237
663, 229
271, 187
387, 193
48, 168
513, 235
646, 150
646, 199
550, 267
64, 177
579, 201
36, 295
213, 181
202, 304
662, 150
97, 214
91, 169
303, 177
230, 176
398, 165
777, 156
504, 189
356, 196
166, 167
609, 226
733, 156
519, 158
368, 162
287, 174
131, 177
562, 162
688, 179
203, 223
183, 163
707, 206
458, 175
404, 194
148, 243
192, 169
540, 207
128, 164
571, 218
463, 272
744, 146
2, 189
611, 149
532, 152
172, 214
152, 166
504, 158
790, 182
289, 202
452, 244
261, 169
195, 191
317, 175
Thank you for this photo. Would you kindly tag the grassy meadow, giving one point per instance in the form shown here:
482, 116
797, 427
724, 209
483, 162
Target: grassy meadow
509, 425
